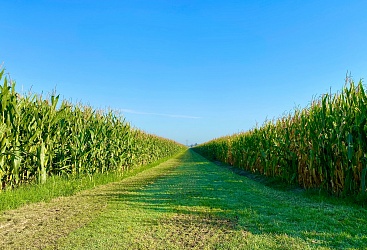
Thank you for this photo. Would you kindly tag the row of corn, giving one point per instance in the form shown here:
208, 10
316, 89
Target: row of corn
321, 146
39, 138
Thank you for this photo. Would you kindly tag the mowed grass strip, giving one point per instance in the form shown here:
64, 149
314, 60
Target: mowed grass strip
190, 203
40, 225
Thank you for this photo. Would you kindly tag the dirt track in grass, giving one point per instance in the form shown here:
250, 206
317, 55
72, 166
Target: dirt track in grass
41, 224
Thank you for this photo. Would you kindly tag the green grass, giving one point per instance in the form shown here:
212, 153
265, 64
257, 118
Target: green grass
190, 203
57, 186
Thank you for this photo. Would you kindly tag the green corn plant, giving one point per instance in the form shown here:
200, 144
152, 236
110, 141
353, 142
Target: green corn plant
43, 137
321, 146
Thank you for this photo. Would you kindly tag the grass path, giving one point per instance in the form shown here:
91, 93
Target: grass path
185, 203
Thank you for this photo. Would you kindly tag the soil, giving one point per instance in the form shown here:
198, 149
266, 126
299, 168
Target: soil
42, 224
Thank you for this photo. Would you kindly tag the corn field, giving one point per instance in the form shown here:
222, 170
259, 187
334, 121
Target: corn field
40, 138
321, 146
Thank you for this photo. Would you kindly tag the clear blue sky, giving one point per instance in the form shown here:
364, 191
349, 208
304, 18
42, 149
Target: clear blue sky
185, 70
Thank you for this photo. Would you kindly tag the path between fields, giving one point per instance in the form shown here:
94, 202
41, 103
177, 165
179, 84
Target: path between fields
184, 203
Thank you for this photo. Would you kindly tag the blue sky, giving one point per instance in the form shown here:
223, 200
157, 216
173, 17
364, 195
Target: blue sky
188, 70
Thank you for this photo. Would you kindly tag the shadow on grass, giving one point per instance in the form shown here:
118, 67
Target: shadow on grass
317, 194
200, 195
